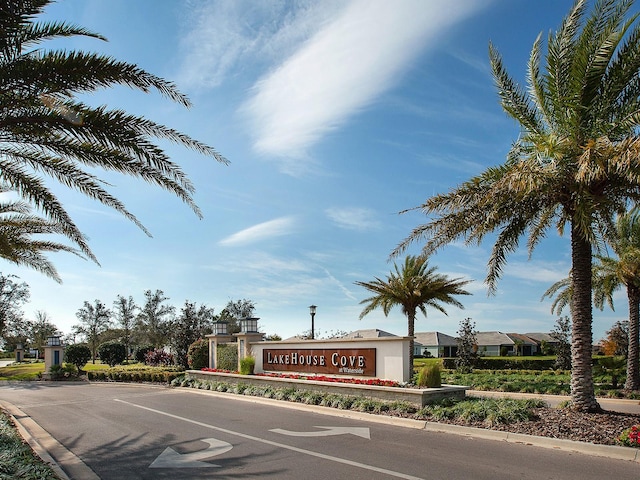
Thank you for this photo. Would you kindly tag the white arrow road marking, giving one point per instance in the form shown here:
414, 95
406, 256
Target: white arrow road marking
311, 453
357, 431
169, 458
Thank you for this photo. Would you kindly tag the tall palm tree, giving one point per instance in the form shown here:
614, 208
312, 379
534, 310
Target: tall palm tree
573, 165
413, 287
46, 131
18, 229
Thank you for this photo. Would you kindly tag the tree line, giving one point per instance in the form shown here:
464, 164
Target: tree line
153, 324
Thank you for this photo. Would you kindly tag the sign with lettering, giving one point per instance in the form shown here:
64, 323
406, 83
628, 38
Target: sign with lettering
341, 361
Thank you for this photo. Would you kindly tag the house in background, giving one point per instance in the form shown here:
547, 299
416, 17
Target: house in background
491, 344
435, 344
540, 337
524, 346
368, 333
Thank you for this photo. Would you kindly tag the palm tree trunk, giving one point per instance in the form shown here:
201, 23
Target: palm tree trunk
411, 320
633, 357
582, 388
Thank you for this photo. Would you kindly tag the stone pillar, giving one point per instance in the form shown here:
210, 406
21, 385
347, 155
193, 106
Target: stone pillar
19, 352
245, 339
53, 355
214, 340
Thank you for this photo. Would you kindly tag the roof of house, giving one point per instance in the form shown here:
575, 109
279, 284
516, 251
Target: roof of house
429, 339
521, 337
540, 336
493, 338
368, 333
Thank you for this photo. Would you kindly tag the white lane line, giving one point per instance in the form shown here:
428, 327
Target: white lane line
276, 444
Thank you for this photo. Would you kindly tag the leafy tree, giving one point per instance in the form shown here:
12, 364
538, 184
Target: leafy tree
561, 333
77, 354
94, 320
40, 329
191, 324
617, 341
573, 164
124, 313
234, 311
13, 296
198, 354
154, 319
112, 353
413, 287
467, 353
46, 130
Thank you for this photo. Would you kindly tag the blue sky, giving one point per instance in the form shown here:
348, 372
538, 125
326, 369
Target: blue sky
335, 116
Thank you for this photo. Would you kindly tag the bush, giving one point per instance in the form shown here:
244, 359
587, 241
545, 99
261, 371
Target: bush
78, 355
499, 363
141, 352
247, 365
227, 357
158, 358
112, 353
430, 376
198, 354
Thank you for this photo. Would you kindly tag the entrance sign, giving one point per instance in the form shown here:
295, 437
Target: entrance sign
332, 361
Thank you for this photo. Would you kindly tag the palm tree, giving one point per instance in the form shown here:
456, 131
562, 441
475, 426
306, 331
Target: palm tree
413, 287
609, 274
18, 227
625, 270
46, 130
574, 163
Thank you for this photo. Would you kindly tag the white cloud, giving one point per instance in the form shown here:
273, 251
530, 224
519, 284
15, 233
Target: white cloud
225, 36
353, 218
343, 68
272, 228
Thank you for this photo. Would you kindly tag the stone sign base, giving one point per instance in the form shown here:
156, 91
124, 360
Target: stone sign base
417, 396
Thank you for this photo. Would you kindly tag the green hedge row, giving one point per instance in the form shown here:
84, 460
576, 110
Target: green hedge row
500, 363
133, 376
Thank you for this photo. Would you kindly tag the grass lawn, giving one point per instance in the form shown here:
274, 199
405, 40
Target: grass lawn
22, 371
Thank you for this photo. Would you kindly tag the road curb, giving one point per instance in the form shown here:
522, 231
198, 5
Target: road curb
608, 451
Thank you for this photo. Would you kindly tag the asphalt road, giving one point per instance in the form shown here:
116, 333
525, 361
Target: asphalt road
121, 431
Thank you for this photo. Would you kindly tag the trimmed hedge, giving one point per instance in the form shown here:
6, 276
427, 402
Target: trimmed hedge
510, 363
133, 376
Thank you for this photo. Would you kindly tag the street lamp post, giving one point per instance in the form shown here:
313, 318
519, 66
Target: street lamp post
312, 311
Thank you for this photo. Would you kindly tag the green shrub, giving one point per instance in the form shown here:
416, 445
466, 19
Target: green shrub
198, 354
112, 353
158, 358
430, 376
141, 351
227, 357
77, 354
247, 365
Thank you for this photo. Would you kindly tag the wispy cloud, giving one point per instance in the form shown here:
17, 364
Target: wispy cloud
260, 232
353, 218
225, 36
343, 68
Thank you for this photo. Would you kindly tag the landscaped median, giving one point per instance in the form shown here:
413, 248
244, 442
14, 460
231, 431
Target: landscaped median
416, 396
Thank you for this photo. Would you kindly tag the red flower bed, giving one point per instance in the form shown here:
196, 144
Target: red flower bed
376, 382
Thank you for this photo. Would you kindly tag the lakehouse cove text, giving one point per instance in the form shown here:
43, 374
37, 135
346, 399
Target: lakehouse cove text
361, 361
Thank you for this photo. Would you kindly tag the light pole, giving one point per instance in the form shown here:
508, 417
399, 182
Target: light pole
312, 311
